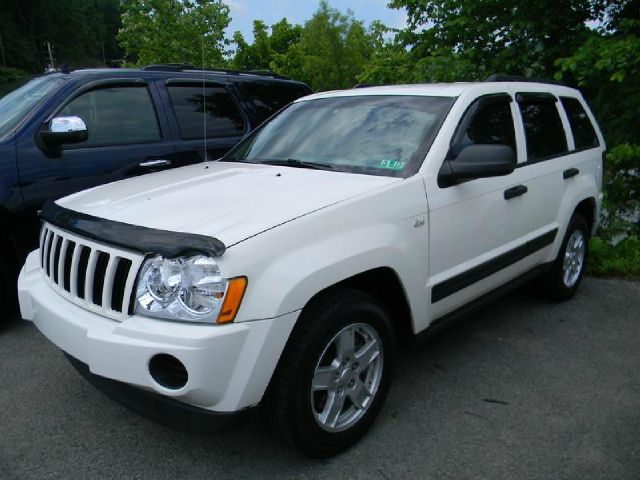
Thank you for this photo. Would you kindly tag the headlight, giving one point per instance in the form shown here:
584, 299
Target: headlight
188, 288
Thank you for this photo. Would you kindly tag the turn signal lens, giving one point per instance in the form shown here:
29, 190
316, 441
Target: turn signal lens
233, 298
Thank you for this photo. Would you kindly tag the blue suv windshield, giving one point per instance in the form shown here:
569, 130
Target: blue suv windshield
17, 104
377, 134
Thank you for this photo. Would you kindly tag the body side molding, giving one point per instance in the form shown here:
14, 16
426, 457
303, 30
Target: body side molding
465, 279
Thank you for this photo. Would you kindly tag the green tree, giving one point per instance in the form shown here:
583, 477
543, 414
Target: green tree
471, 39
332, 50
174, 31
607, 69
81, 32
260, 54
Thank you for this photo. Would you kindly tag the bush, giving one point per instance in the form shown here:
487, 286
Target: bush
609, 254
8, 74
622, 190
10, 78
621, 259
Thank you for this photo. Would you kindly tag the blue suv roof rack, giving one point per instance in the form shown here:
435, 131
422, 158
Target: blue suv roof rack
187, 67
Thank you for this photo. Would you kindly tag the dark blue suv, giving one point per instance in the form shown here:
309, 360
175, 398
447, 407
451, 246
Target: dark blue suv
65, 132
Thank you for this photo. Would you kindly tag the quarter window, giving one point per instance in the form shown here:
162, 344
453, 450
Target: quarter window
269, 98
488, 121
584, 135
542, 127
116, 116
223, 118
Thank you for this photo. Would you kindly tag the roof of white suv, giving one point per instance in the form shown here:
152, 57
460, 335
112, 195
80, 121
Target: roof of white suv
445, 89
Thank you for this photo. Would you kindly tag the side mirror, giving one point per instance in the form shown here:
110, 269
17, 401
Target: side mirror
479, 161
61, 130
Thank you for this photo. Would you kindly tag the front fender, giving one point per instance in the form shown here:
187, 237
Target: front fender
290, 264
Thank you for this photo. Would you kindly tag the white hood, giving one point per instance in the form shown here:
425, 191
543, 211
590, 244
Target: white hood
229, 201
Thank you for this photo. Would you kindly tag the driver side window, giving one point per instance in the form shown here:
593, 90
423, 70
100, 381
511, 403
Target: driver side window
487, 121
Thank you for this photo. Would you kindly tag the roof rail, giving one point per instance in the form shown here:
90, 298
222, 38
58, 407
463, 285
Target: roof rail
366, 85
185, 67
164, 67
498, 77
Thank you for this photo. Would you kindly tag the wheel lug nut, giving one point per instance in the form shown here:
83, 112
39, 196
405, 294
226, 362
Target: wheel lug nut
355, 366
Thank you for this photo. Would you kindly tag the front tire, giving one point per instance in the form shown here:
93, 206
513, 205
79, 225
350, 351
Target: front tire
334, 374
7, 289
563, 280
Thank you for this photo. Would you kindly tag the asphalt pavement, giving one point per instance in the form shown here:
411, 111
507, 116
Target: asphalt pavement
524, 389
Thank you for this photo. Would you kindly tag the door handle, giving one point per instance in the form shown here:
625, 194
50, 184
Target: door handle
515, 191
572, 172
155, 163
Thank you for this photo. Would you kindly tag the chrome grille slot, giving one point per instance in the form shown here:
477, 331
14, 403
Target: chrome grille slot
95, 276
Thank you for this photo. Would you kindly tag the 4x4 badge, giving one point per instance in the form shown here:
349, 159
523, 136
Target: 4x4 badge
418, 222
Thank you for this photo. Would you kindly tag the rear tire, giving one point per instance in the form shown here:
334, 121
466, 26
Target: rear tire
334, 373
563, 280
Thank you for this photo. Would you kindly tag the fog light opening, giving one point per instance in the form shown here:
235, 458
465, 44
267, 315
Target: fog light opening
168, 371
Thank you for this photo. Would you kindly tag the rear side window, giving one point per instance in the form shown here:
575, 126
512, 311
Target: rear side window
116, 116
269, 98
584, 135
488, 121
223, 118
542, 126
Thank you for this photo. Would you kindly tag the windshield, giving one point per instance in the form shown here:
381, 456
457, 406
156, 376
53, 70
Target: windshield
17, 104
379, 135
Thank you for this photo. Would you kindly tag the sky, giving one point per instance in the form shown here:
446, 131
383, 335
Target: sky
244, 12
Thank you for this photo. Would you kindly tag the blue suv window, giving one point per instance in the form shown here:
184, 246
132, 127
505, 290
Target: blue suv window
269, 98
116, 116
223, 117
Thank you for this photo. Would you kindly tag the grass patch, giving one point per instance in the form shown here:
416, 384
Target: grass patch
622, 259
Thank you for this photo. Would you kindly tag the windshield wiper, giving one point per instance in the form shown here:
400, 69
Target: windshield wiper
294, 162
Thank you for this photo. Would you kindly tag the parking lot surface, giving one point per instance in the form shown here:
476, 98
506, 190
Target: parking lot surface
523, 389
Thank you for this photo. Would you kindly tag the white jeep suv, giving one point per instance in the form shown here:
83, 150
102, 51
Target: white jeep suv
282, 274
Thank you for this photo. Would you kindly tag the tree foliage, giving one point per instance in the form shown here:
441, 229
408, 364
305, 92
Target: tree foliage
472, 39
81, 32
328, 52
266, 45
174, 31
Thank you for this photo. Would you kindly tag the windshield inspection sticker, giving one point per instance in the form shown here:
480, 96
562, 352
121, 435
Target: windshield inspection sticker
391, 164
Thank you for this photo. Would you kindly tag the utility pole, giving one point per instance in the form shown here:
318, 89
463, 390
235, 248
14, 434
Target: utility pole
51, 62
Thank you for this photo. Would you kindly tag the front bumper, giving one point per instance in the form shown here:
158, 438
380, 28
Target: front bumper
165, 410
229, 366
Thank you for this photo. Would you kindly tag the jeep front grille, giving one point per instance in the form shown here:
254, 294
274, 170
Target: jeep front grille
95, 276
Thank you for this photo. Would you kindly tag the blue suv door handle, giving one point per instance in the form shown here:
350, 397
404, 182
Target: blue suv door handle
158, 163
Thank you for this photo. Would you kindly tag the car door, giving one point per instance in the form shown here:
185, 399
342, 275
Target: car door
126, 137
221, 128
479, 230
547, 156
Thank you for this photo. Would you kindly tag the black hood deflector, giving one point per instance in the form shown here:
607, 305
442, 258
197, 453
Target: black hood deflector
133, 237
